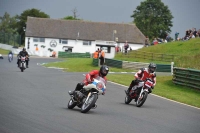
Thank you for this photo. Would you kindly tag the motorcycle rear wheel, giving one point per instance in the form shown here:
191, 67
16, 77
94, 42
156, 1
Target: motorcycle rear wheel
91, 101
141, 101
71, 104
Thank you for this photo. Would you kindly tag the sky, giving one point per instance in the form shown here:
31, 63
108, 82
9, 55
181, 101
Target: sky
185, 12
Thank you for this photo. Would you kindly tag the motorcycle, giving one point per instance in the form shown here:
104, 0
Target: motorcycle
139, 92
86, 98
10, 58
22, 63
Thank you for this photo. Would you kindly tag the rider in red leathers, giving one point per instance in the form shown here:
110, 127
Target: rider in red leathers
143, 74
90, 76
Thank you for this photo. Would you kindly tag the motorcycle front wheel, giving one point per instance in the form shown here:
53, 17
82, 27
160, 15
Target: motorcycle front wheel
142, 99
87, 105
71, 104
127, 99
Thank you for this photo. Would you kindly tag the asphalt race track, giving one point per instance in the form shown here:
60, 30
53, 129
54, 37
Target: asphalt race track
35, 101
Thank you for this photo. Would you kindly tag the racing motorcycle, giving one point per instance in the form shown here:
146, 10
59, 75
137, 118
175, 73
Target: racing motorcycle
86, 98
139, 92
22, 63
10, 58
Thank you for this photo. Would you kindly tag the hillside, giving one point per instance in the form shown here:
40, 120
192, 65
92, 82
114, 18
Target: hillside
187, 53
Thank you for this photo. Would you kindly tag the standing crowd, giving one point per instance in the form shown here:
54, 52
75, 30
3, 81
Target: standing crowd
99, 54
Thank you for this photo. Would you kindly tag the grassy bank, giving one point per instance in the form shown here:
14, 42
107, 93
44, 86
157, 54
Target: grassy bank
4, 52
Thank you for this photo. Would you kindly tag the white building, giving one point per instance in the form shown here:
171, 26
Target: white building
79, 36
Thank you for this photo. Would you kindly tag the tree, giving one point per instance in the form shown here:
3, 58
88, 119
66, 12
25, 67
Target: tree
70, 18
74, 17
153, 18
21, 25
8, 24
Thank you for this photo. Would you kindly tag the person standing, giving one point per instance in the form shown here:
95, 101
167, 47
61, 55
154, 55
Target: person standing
96, 54
146, 41
126, 46
102, 57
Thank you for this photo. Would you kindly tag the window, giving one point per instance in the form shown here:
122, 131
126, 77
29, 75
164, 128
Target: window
106, 49
86, 42
38, 39
62, 41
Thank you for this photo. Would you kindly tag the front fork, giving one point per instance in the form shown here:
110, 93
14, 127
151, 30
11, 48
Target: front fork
89, 94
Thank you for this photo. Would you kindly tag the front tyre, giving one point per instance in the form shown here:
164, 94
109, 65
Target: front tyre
127, 99
87, 105
71, 104
142, 99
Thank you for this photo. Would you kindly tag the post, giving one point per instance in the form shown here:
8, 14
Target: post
172, 66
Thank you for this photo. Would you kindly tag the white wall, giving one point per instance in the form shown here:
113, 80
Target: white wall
77, 45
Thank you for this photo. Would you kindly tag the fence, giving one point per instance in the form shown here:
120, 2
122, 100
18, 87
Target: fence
149, 55
186, 77
134, 65
10, 39
73, 55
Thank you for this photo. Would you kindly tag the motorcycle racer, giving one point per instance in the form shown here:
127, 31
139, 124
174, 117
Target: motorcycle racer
23, 53
90, 76
143, 74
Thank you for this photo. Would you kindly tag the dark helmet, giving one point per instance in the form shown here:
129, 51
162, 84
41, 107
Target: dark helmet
152, 67
24, 49
104, 70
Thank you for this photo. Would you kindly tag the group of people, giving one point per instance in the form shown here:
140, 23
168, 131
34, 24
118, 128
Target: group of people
189, 34
99, 54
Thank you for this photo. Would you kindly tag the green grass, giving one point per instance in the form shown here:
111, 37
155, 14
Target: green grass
187, 53
4, 52
80, 65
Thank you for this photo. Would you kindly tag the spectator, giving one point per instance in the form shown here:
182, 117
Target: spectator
146, 41
194, 32
176, 36
53, 54
168, 38
155, 41
102, 57
126, 46
96, 54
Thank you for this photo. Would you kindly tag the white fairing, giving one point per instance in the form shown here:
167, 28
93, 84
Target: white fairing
94, 85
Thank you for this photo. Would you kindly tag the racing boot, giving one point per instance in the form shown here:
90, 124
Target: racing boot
71, 92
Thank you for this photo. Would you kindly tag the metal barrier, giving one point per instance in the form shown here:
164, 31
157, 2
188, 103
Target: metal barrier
134, 65
186, 77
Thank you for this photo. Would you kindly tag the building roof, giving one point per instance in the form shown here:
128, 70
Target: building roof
82, 30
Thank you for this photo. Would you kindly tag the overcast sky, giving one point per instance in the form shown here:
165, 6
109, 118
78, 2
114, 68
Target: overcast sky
185, 12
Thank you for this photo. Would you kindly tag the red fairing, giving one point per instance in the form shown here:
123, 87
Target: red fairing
144, 74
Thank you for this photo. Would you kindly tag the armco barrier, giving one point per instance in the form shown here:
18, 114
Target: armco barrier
186, 77
73, 55
163, 68
133, 65
113, 63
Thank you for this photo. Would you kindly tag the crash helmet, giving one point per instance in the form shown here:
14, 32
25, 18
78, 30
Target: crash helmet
104, 70
152, 67
24, 49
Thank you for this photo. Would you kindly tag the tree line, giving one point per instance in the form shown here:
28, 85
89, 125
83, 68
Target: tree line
152, 17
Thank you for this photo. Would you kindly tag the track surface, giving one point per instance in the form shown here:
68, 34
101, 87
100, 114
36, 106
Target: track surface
35, 101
